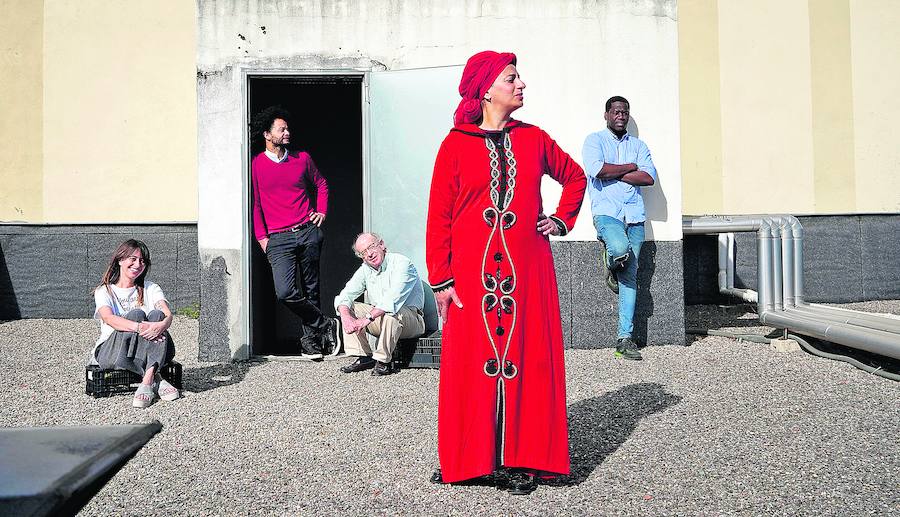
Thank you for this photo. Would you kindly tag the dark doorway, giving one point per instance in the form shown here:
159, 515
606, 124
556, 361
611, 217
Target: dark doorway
327, 123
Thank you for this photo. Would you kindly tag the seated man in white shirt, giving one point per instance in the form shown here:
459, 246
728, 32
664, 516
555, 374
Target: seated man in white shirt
396, 299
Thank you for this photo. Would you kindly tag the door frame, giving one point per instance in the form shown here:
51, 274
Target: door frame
247, 240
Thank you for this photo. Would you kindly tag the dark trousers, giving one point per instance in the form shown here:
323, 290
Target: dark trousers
292, 254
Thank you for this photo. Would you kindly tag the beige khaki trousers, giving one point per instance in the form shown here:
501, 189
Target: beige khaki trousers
388, 328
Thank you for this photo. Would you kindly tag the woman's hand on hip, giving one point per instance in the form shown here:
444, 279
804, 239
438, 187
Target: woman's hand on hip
546, 226
443, 299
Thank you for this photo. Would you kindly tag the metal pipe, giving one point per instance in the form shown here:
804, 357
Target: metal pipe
726, 270
777, 273
871, 340
764, 266
861, 319
780, 270
792, 231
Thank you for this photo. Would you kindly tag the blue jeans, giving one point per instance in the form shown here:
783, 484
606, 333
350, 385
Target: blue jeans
622, 241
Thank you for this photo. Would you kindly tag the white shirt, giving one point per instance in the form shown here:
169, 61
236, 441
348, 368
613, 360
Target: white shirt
274, 156
121, 300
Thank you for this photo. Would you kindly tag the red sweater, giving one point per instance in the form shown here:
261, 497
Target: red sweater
280, 192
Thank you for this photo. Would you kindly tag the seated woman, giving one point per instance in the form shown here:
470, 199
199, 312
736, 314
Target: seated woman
135, 319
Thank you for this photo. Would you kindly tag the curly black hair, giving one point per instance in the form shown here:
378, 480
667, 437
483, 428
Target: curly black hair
263, 120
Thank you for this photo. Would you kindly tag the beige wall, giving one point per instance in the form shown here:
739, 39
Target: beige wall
789, 106
98, 100
21, 180
111, 89
701, 113
120, 111
875, 52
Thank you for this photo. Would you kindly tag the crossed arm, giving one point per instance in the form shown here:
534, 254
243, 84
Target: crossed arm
627, 172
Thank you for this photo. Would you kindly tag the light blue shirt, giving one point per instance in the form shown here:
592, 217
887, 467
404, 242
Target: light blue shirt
394, 285
615, 198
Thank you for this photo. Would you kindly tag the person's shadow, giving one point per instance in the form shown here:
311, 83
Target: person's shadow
196, 380
599, 425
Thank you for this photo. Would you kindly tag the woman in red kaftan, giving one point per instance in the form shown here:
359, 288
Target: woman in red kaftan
502, 394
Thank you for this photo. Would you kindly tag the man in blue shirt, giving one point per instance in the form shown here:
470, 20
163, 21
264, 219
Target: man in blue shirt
617, 166
396, 299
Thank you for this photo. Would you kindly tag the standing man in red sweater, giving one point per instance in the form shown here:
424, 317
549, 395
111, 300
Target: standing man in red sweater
290, 200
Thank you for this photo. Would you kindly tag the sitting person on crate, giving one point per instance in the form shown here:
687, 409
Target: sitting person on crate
396, 298
134, 321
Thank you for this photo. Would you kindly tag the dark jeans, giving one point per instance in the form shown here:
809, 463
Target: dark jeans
291, 253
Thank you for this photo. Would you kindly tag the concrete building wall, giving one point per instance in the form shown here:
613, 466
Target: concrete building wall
572, 56
788, 106
21, 108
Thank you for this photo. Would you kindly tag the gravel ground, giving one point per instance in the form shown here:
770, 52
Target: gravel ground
719, 427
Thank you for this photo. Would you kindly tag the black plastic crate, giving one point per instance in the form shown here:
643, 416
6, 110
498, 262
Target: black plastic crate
105, 383
424, 352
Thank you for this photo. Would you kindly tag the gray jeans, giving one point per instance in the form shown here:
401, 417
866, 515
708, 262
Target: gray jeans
131, 351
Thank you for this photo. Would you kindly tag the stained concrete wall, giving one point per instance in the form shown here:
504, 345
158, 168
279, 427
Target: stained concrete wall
572, 56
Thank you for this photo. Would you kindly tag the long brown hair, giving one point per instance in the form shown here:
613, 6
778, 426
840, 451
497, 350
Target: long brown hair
122, 252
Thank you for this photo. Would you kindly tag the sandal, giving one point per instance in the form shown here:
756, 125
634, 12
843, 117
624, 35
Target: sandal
167, 392
143, 397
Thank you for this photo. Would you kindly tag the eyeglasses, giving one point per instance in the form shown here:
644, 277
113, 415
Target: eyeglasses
370, 247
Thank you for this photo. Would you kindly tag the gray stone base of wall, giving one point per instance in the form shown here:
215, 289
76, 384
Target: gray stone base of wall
590, 310
214, 313
50, 271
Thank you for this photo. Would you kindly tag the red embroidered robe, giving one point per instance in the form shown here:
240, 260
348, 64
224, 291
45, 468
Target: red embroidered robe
502, 394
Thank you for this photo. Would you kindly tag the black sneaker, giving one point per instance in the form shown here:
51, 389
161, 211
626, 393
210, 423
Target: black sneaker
383, 369
611, 281
361, 363
310, 350
331, 340
627, 349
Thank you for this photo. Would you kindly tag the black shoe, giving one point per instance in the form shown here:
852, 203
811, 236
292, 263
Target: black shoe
436, 477
311, 348
331, 343
383, 369
361, 363
611, 281
627, 349
520, 483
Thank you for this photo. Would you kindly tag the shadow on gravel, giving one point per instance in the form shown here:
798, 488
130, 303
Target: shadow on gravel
599, 425
206, 378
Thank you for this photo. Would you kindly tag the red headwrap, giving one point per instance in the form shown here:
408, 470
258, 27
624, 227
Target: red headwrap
479, 74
